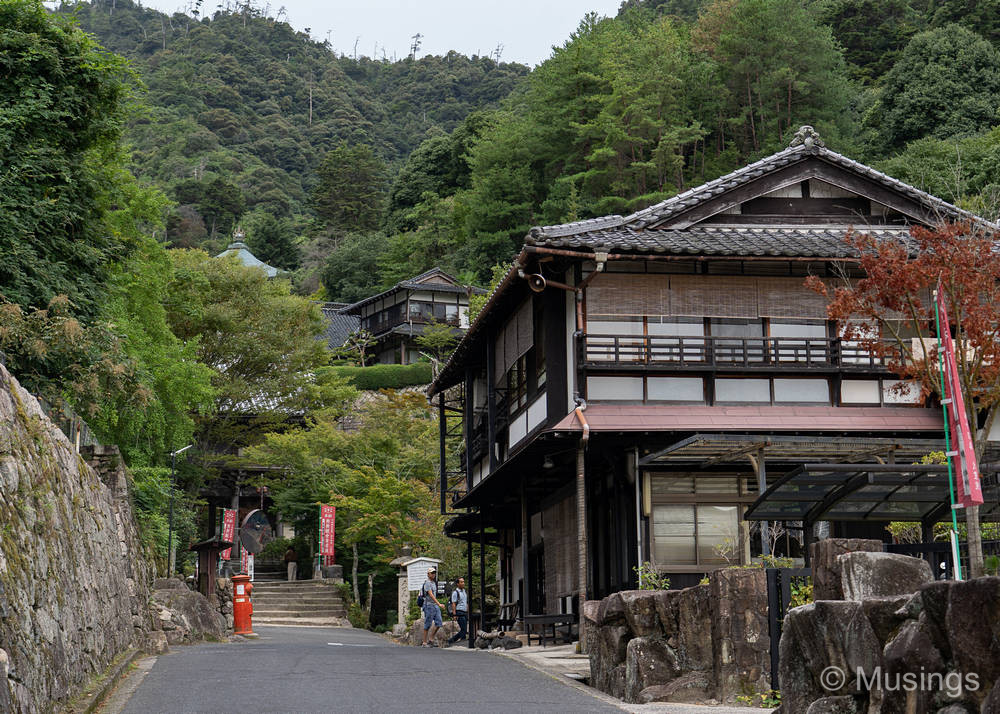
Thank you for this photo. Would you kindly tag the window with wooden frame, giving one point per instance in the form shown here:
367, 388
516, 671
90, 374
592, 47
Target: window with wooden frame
695, 521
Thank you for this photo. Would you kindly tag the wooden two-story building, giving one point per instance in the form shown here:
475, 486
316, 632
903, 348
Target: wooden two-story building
635, 383
397, 316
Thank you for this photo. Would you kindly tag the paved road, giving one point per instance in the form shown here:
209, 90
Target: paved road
297, 669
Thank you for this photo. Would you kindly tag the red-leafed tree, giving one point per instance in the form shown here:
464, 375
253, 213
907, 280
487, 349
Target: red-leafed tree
889, 312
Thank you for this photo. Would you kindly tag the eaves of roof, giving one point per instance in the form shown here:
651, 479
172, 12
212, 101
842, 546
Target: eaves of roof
415, 284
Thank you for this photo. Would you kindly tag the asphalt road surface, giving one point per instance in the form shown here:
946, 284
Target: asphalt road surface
300, 669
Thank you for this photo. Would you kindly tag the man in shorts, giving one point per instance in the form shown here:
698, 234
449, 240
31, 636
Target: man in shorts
432, 608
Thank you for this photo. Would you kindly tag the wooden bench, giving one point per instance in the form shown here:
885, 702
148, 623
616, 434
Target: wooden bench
549, 621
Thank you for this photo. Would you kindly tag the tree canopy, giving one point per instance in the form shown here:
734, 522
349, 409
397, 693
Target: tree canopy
63, 106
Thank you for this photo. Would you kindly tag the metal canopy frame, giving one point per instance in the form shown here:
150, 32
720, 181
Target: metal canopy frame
711, 449
867, 492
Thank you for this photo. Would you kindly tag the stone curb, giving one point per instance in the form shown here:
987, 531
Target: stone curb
110, 680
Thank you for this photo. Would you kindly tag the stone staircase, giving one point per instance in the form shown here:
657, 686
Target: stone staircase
302, 602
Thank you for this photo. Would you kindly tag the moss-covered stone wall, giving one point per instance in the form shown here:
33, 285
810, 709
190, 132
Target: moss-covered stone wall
74, 588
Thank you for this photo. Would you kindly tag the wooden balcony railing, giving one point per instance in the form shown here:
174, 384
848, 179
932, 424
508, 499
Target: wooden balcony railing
745, 352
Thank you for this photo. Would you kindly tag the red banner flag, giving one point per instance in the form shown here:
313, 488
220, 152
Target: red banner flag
327, 520
244, 560
228, 530
970, 490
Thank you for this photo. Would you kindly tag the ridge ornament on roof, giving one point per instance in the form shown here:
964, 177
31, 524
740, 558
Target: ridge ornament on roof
806, 136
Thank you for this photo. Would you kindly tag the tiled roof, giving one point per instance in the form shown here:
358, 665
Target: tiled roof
415, 283
756, 241
628, 232
339, 325
247, 258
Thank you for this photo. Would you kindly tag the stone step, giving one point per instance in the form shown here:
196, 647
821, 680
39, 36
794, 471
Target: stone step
318, 612
260, 597
297, 584
302, 621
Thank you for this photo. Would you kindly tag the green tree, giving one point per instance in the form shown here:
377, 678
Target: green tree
63, 105
179, 386
963, 170
272, 240
872, 32
262, 341
781, 69
351, 271
351, 188
437, 341
945, 83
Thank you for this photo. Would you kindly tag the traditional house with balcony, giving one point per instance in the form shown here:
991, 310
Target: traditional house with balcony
398, 315
634, 384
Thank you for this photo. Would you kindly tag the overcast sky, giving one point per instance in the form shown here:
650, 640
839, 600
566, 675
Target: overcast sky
527, 29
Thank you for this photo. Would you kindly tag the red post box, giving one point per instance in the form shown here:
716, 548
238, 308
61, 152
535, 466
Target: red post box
242, 606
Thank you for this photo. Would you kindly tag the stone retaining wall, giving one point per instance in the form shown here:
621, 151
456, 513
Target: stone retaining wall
74, 590
705, 643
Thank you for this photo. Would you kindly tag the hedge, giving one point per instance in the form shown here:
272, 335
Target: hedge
387, 376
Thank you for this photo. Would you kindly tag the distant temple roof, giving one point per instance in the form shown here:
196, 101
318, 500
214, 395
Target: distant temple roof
247, 258
435, 280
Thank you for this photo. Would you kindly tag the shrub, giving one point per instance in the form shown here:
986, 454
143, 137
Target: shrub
650, 578
386, 376
358, 616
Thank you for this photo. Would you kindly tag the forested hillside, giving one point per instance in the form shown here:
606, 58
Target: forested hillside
240, 110
362, 171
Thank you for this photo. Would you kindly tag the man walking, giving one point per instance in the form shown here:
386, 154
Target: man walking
460, 611
432, 608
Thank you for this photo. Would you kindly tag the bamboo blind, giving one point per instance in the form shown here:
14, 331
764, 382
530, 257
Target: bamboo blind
622, 294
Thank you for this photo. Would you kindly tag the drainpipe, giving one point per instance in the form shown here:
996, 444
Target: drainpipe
581, 515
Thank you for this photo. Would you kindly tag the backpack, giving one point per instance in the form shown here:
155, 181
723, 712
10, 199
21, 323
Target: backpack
420, 600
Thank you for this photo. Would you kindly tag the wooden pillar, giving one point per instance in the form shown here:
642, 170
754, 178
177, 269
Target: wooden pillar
581, 526
525, 543
482, 567
468, 586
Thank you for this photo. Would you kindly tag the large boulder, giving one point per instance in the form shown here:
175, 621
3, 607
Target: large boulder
589, 624
607, 659
694, 628
665, 602
834, 705
689, 688
416, 634
886, 614
865, 575
910, 651
992, 703
640, 612
826, 568
649, 661
934, 612
187, 616
820, 636
741, 656
973, 626
611, 611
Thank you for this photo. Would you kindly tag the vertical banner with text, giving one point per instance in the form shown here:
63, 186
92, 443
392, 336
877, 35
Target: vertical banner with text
970, 490
327, 530
244, 558
228, 530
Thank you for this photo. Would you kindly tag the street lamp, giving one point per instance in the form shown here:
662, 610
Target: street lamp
170, 518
